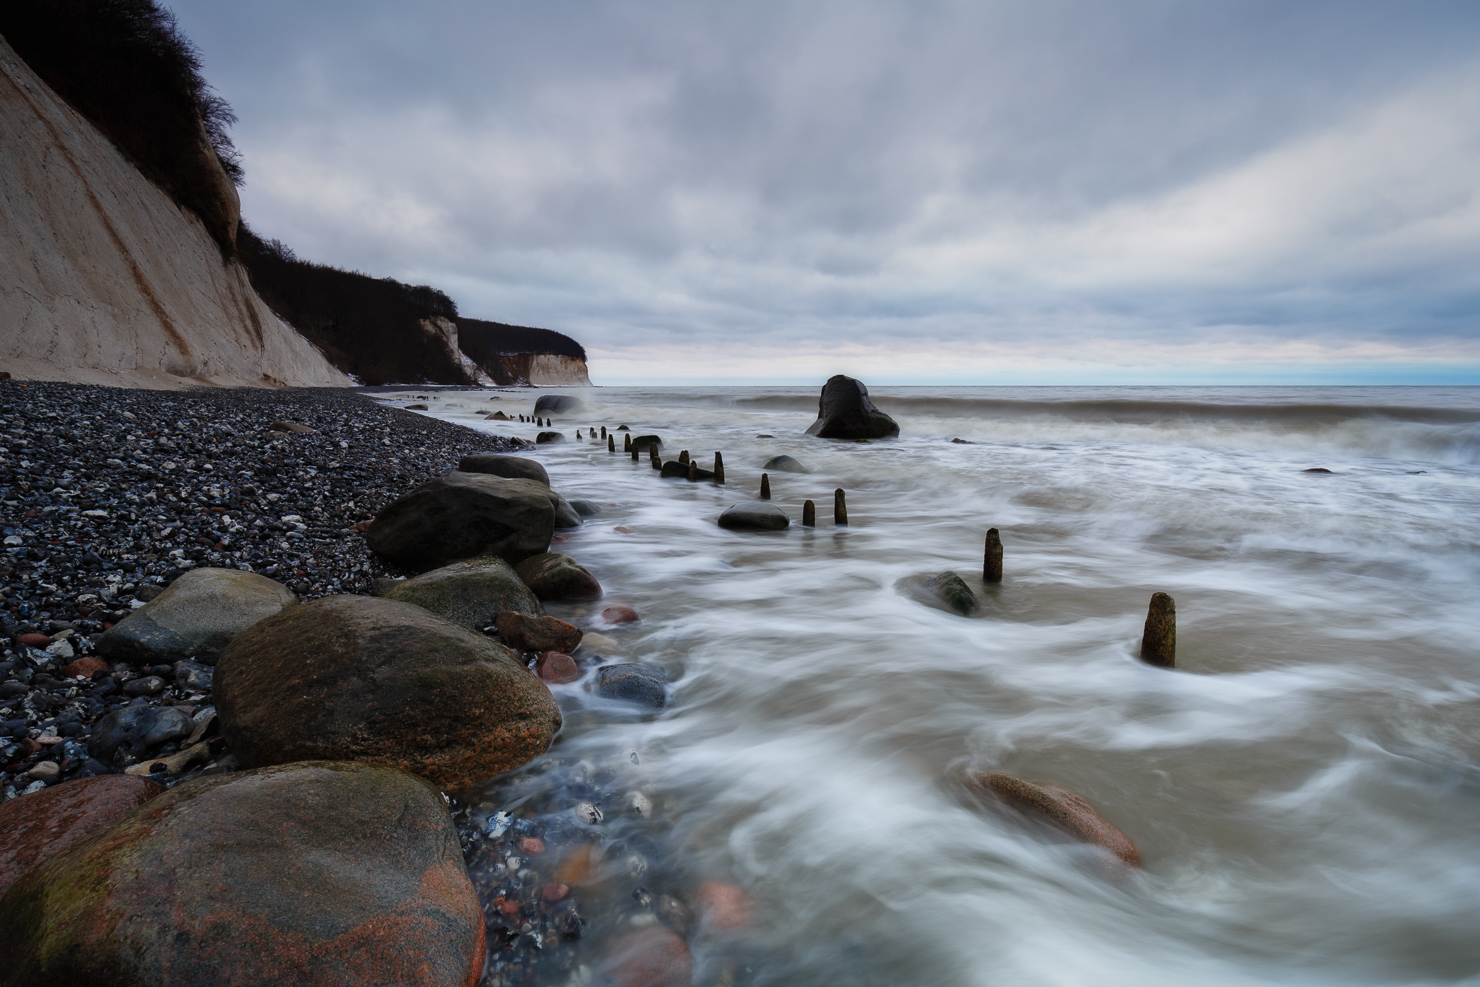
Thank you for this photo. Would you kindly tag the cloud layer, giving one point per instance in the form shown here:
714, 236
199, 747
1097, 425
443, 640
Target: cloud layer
967, 192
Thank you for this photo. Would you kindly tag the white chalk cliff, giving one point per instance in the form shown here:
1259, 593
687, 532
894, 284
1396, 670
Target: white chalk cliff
104, 279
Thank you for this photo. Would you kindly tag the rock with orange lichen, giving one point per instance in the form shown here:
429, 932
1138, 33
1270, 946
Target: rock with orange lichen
1063, 808
355, 678
44, 824
309, 874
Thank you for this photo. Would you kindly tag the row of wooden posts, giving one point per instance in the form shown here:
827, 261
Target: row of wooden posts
1158, 641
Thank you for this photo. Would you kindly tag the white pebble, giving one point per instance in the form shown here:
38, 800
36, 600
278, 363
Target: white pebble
587, 813
640, 805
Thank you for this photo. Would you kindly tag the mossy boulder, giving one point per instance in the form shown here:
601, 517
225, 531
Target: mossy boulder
553, 576
509, 467
39, 826
196, 617
464, 516
365, 679
306, 874
472, 593
950, 589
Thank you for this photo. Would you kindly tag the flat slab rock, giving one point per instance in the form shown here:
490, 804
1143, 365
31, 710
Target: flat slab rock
366, 679
305, 874
200, 613
754, 516
37, 827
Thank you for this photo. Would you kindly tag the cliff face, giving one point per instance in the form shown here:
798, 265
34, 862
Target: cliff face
523, 355
105, 279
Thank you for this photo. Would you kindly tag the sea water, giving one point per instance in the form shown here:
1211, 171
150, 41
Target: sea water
1304, 787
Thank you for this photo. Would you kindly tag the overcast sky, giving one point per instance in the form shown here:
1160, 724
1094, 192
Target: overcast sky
975, 192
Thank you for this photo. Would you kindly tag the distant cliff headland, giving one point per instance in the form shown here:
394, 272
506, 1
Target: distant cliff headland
124, 257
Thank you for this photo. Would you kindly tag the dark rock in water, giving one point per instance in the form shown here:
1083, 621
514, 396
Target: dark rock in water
307, 874
963, 442
754, 516
620, 614
464, 516
416, 407
1062, 808
785, 464
641, 442
509, 467
39, 826
557, 668
952, 590
675, 470
585, 508
471, 593
651, 957
545, 438
845, 412
356, 678
557, 404
1316, 469
1159, 639
528, 632
197, 617
136, 730
553, 576
631, 682
566, 516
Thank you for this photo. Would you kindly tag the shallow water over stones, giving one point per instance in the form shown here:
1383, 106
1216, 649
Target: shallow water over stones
1301, 788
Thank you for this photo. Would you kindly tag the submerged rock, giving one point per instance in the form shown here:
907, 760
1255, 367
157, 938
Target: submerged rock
566, 516
784, 464
952, 590
652, 957
641, 442
359, 678
305, 874
632, 682
1061, 807
39, 826
196, 617
472, 593
755, 516
585, 508
845, 412
463, 516
546, 438
508, 467
553, 576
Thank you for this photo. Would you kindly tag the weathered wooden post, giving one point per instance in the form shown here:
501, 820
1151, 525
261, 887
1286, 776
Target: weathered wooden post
765, 486
683, 457
719, 468
992, 560
809, 515
611, 444
840, 507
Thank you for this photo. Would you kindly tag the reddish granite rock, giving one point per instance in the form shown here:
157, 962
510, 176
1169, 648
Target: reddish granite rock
365, 679
307, 874
34, 640
723, 906
35, 827
86, 668
652, 957
557, 668
525, 632
1062, 808
620, 614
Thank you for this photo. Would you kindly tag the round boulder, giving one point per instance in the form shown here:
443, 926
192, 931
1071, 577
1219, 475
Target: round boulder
949, 588
39, 826
558, 577
366, 679
472, 593
197, 617
557, 404
633, 682
509, 467
546, 438
784, 464
754, 516
524, 632
464, 516
307, 874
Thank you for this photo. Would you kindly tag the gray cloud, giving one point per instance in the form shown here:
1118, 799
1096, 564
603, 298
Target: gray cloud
1016, 185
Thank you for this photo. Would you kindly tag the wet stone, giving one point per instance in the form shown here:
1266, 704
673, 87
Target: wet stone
632, 682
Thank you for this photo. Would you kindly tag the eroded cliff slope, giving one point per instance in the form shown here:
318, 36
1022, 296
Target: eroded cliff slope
105, 279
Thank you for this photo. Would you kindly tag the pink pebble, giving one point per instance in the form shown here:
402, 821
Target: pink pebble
620, 615
531, 846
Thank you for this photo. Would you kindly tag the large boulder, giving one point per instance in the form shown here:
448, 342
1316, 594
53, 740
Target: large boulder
365, 679
464, 516
845, 412
312, 874
197, 617
557, 404
558, 577
472, 593
566, 516
39, 826
509, 467
523, 632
